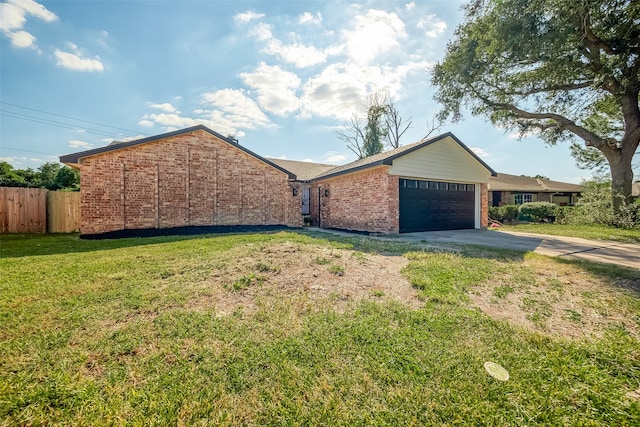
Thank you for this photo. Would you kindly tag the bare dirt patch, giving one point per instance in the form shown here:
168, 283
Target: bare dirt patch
558, 299
314, 275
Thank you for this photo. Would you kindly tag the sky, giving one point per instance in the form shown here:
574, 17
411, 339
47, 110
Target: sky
280, 76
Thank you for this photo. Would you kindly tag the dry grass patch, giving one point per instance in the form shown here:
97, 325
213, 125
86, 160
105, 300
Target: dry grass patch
558, 299
314, 277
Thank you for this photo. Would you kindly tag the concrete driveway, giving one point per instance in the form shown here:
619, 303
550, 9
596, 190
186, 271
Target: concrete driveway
624, 254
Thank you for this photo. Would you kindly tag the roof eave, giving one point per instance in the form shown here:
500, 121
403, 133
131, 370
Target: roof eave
351, 170
75, 158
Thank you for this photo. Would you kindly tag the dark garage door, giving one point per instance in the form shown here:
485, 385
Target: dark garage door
435, 205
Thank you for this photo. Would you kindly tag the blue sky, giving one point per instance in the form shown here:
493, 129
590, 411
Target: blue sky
281, 76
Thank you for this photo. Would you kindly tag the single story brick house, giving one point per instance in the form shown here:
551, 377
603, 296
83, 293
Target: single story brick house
197, 177
505, 189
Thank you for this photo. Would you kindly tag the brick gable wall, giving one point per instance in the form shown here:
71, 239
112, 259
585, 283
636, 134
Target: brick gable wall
363, 201
189, 179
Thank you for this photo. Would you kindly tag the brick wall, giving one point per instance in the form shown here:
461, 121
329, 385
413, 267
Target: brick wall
484, 205
363, 201
188, 179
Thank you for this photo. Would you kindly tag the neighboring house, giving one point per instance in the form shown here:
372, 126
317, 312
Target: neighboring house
196, 176
507, 189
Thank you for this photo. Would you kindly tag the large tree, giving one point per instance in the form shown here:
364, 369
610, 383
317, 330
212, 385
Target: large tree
563, 70
49, 175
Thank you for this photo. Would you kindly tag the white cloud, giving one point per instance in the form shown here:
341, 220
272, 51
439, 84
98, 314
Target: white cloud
74, 143
308, 18
435, 27
338, 90
373, 34
236, 110
480, 152
75, 61
22, 39
131, 138
14, 16
167, 107
228, 111
35, 9
243, 18
261, 31
174, 120
438, 28
335, 159
297, 54
410, 6
275, 88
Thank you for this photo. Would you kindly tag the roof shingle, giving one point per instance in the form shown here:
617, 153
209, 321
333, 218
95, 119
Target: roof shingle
506, 182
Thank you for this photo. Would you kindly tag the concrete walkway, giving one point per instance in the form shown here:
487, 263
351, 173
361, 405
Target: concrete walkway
624, 254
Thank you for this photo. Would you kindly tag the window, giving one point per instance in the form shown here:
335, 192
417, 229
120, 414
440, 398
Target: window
523, 198
442, 186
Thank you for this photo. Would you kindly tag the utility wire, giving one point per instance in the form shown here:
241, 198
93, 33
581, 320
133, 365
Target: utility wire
28, 151
68, 117
55, 123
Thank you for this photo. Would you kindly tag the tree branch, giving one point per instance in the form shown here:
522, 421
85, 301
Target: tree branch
590, 138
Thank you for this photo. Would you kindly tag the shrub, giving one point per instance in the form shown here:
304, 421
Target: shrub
504, 213
537, 211
629, 215
594, 208
564, 214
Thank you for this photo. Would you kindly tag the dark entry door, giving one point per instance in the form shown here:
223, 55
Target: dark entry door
435, 205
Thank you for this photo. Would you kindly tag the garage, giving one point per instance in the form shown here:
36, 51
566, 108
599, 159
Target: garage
436, 205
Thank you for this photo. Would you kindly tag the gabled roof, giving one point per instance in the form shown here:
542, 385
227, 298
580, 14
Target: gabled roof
304, 171
506, 182
74, 158
388, 157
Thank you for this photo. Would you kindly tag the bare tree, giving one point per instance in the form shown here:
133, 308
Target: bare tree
396, 126
353, 134
378, 120
433, 126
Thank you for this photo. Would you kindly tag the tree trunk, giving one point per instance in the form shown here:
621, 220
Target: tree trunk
621, 179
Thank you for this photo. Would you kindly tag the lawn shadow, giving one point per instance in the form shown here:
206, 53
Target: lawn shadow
21, 245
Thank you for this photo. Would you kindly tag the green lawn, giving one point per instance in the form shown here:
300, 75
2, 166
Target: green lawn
214, 330
599, 232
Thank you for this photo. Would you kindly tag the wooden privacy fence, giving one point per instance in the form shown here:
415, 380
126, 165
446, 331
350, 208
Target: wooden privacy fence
36, 210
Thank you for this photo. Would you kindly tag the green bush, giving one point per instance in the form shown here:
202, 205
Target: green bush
594, 208
537, 211
506, 213
564, 213
629, 215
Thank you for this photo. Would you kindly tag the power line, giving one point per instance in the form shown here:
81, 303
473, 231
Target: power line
55, 123
69, 117
28, 151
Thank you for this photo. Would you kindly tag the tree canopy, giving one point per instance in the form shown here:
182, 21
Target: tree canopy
563, 70
49, 175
